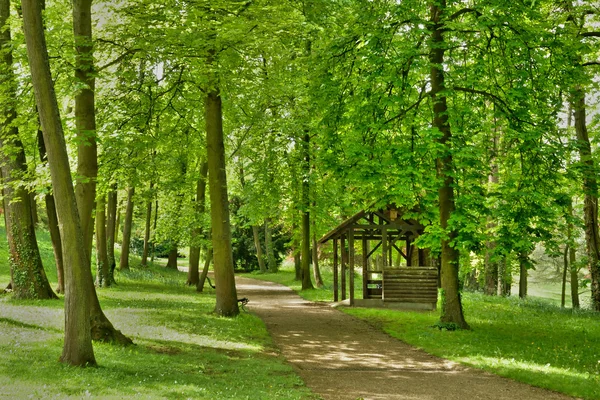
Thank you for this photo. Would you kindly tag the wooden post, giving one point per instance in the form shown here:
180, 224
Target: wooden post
365, 265
408, 253
351, 264
344, 258
335, 270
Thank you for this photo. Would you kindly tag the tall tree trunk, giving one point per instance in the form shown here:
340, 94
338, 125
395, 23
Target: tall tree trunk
452, 311
226, 304
77, 348
118, 225
523, 263
34, 212
590, 189
270, 252
111, 224
52, 221
574, 271
124, 262
144, 262
85, 119
102, 267
28, 277
491, 262
564, 276
193, 274
209, 257
315, 260
152, 252
258, 247
305, 254
172, 260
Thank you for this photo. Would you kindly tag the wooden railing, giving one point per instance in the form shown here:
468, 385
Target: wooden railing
410, 285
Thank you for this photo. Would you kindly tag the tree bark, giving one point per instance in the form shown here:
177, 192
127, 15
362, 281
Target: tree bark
152, 252
85, 119
258, 247
102, 267
28, 277
523, 262
590, 189
451, 305
271, 262
172, 260
34, 212
193, 274
305, 252
111, 225
124, 262
315, 260
77, 348
564, 276
226, 304
144, 262
209, 257
574, 271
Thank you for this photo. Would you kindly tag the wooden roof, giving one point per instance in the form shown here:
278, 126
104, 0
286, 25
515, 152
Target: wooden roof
409, 226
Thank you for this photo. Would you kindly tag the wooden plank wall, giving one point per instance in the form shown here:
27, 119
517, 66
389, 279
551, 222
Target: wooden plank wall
410, 285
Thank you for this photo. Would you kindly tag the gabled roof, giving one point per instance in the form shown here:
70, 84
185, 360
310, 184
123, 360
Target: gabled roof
409, 226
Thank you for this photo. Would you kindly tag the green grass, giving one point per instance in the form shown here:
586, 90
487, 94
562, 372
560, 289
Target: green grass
182, 349
532, 341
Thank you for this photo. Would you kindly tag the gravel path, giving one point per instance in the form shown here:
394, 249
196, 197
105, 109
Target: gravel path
340, 357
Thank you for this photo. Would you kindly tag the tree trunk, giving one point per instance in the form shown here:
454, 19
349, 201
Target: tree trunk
564, 276
144, 262
258, 247
124, 264
590, 189
193, 276
523, 262
172, 260
209, 257
118, 225
28, 277
34, 212
297, 261
85, 119
451, 305
574, 271
315, 260
111, 225
305, 252
226, 304
271, 262
102, 268
77, 348
152, 252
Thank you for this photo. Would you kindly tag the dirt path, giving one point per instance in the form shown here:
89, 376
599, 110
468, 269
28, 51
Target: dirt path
340, 357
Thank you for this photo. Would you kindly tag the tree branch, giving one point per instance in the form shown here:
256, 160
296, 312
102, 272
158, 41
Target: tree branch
464, 11
590, 34
587, 64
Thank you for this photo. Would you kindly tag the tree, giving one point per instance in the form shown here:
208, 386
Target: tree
124, 263
77, 348
28, 278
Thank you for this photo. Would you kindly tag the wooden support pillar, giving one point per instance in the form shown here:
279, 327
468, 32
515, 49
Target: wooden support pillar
335, 270
365, 266
408, 252
344, 258
351, 264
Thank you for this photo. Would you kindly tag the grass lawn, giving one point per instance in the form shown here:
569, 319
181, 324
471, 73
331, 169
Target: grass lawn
532, 341
182, 350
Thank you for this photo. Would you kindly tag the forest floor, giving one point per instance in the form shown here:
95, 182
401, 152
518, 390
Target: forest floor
341, 357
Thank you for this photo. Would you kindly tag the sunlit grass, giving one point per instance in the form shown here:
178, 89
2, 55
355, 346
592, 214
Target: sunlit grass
183, 349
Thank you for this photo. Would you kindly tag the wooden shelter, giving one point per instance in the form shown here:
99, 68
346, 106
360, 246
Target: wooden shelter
409, 281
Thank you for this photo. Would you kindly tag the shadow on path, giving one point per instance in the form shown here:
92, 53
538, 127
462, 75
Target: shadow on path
340, 357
